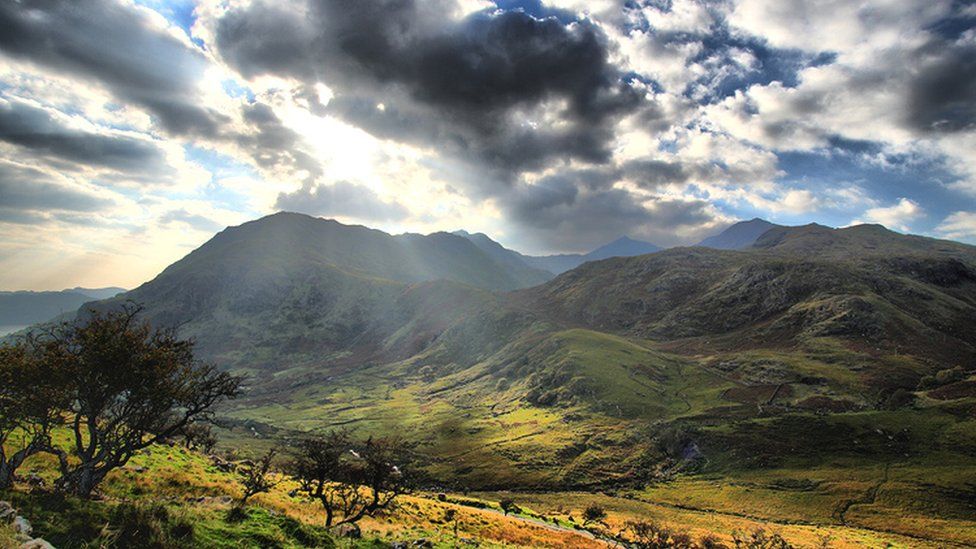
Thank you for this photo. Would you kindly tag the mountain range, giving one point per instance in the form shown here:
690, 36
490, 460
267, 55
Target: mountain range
811, 346
22, 308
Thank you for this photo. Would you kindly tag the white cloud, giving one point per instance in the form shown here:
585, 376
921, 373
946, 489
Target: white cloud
958, 226
898, 216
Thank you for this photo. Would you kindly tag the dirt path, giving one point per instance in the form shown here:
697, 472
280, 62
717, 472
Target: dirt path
869, 497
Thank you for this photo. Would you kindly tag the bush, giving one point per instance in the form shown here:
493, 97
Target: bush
760, 539
509, 506
594, 514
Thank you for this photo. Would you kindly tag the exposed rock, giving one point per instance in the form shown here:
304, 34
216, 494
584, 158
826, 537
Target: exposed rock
351, 531
22, 527
7, 512
37, 543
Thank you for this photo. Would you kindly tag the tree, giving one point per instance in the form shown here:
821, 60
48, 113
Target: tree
199, 434
594, 514
349, 480
129, 386
759, 539
648, 535
256, 478
30, 403
451, 517
509, 506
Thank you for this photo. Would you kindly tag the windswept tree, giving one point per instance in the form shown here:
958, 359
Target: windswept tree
350, 480
31, 400
256, 478
199, 435
128, 386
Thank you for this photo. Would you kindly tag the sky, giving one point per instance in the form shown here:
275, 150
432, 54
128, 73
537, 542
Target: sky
132, 131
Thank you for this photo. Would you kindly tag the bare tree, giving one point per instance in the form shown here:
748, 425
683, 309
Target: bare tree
349, 480
199, 435
509, 506
256, 478
129, 386
648, 535
30, 404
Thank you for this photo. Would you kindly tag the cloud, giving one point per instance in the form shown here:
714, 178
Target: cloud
579, 210
192, 220
898, 216
123, 48
942, 97
27, 194
340, 199
47, 133
958, 226
505, 88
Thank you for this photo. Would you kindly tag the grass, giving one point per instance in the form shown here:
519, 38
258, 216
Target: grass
8, 539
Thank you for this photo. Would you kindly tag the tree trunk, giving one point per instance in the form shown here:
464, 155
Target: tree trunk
9, 466
81, 481
6, 475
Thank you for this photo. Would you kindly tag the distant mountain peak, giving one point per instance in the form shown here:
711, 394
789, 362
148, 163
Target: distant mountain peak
622, 247
739, 235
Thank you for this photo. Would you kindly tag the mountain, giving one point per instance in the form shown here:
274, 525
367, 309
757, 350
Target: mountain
739, 236
23, 308
298, 286
504, 256
622, 247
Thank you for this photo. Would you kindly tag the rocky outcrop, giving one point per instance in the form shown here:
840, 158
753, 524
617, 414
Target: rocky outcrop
22, 528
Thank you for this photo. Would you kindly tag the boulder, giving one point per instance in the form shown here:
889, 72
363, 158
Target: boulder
37, 543
7, 512
22, 527
351, 531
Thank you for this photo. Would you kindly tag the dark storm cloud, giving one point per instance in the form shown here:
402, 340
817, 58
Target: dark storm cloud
340, 199
942, 96
117, 46
473, 86
40, 132
26, 193
569, 211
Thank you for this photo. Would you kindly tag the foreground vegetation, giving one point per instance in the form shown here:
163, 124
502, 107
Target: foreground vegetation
169, 496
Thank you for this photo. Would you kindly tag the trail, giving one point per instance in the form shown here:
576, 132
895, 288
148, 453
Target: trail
869, 497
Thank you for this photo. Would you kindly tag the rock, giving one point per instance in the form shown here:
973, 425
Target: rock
7, 512
22, 526
351, 531
398, 545
426, 543
469, 541
37, 543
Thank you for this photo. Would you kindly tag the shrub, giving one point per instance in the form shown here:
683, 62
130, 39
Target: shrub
594, 514
759, 539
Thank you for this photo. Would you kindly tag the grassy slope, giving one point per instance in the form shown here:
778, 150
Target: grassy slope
193, 491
